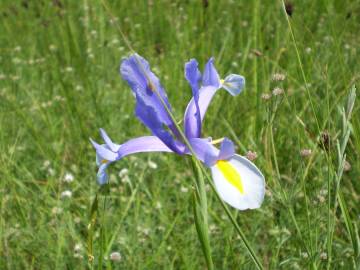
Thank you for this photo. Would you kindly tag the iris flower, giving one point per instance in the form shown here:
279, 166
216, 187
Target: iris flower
237, 180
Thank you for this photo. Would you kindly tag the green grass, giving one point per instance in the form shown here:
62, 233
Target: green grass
59, 83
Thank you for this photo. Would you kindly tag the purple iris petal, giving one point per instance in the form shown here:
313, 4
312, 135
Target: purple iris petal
102, 176
142, 144
149, 108
112, 146
210, 76
234, 84
137, 145
190, 120
103, 152
136, 71
193, 76
204, 150
227, 149
149, 118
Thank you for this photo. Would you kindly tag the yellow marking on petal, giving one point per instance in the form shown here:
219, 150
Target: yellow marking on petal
222, 81
230, 174
104, 161
217, 141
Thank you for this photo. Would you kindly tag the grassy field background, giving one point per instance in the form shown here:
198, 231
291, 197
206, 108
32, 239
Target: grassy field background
59, 83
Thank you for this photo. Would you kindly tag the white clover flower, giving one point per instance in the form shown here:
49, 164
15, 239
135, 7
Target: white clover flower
123, 172
68, 178
66, 194
78, 247
277, 91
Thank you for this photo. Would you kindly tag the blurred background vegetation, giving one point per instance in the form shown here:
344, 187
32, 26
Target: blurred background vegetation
59, 83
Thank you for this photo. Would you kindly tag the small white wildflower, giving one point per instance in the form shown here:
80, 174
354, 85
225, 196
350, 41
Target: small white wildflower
321, 198
152, 165
250, 155
234, 64
265, 96
78, 88
69, 69
78, 247
68, 178
46, 163
304, 255
308, 50
184, 189
123, 172
66, 194
277, 91
305, 152
323, 256
146, 231
77, 220
278, 77
115, 256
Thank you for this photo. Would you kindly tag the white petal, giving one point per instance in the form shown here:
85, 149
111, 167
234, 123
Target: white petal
252, 182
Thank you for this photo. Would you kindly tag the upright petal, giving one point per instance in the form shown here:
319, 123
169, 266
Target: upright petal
211, 76
112, 146
239, 182
193, 76
103, 152
191, 126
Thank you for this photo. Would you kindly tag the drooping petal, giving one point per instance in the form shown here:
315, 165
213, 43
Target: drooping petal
193, 76
149, 118
211, 76
142, 144
137, 145
136, 71
234, 84
101, 175
239, 182
112, 146
152, 103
